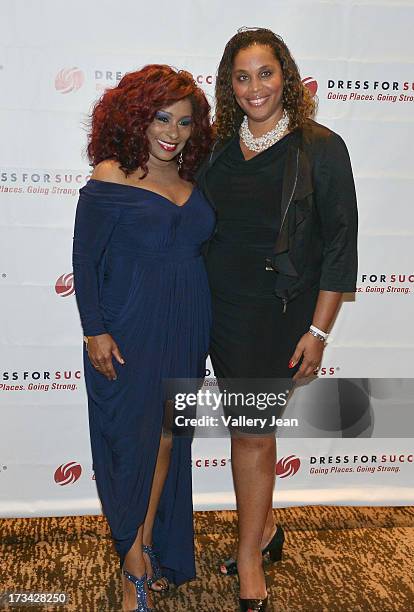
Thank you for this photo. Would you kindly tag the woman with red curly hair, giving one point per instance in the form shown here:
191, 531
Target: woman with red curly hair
144, 305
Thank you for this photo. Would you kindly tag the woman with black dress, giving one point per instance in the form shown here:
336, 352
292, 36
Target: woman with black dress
283, 253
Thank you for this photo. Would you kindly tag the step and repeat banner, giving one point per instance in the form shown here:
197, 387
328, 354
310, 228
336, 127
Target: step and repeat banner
56, 59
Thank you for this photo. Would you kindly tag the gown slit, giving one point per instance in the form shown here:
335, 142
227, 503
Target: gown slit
139, 276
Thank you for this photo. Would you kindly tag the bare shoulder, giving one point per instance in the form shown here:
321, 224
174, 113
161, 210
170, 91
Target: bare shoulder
109, 170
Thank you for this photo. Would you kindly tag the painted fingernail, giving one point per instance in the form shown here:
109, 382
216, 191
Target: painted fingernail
291, 364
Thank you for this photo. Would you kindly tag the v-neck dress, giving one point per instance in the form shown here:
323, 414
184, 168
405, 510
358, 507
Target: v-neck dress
140, 277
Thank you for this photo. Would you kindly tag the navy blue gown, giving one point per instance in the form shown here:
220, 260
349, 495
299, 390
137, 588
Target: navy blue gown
139, 276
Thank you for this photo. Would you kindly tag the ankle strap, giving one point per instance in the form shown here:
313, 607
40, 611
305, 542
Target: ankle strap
147, 548
139, 582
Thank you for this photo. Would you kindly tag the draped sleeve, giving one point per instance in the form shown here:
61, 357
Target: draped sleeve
97, 215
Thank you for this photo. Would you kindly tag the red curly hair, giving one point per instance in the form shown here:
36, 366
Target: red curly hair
121, 117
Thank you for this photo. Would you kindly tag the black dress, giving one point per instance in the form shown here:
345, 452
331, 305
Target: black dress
251, 337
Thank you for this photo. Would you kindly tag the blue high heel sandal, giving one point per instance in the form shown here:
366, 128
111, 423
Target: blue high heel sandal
139, 583
156, 570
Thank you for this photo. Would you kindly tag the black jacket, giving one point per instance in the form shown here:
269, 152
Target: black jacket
317, 241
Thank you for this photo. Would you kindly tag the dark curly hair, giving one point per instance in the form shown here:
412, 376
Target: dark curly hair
297, 100
120, 119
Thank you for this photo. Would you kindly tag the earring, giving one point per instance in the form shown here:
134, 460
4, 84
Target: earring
180, 160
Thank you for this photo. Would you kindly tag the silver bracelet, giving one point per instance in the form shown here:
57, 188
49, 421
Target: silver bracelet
318, 336
319, 331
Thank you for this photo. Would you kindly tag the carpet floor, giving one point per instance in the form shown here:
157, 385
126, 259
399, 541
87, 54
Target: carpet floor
336, 559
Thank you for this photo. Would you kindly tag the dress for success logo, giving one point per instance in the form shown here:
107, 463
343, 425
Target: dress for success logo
210, 462
37, 181
107, 78
359, 464
64, 285
68, 473
386, 283
68, 80
287, 466
311, 84
32, 380
359, 90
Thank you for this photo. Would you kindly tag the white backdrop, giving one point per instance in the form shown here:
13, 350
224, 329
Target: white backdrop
55, 59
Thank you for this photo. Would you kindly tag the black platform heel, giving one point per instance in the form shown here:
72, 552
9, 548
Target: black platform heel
253, 605
274, 549
275, 546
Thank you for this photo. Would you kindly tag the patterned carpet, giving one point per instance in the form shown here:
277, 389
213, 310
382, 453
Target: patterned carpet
336, 559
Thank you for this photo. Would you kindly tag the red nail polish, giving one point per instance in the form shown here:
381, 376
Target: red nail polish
291, 364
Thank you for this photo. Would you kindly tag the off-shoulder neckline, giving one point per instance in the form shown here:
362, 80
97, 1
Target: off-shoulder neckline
112, 183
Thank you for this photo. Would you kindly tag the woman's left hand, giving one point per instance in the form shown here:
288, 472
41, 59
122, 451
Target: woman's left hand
310, 349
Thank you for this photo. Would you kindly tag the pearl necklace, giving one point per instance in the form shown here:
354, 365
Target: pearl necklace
267, 140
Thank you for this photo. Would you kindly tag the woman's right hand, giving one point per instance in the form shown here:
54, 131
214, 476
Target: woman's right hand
100, 351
